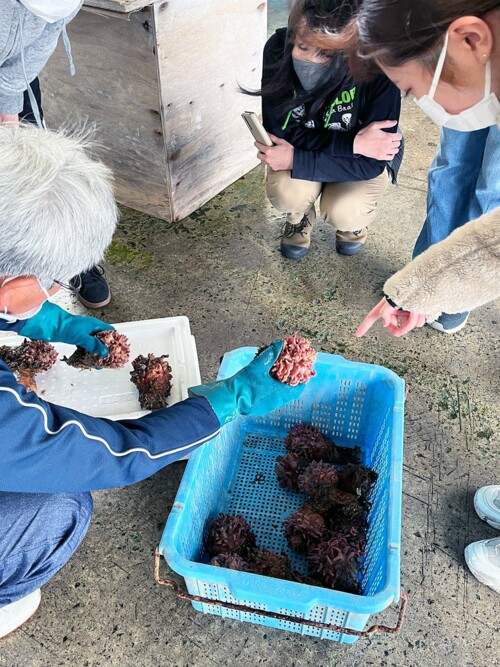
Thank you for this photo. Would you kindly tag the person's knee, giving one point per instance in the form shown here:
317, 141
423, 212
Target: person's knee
348, 214
43, 532
58, 519
75, 512
292, 196
71, 510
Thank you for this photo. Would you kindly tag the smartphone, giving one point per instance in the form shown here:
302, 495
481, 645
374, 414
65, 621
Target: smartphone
256, 128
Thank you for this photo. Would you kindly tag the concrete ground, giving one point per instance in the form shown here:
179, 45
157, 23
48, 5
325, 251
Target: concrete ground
222, 268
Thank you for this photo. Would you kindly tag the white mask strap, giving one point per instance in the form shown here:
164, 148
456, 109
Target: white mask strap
487, 79
439, 68
43, 290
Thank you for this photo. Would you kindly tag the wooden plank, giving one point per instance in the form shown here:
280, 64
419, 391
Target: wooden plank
204, 50
107, 13
116, 87
119, 5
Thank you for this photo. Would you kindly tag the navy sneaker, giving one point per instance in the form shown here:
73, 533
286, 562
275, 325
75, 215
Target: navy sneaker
450, 323
91, 288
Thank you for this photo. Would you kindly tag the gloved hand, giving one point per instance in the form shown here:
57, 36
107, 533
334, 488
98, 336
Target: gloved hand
397, 322
53, 324
251, 391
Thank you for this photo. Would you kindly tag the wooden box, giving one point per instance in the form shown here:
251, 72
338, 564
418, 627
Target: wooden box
160, 81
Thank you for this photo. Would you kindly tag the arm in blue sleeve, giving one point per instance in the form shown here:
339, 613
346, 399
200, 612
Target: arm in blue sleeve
12, 327
320, 167
50, 449
382, 101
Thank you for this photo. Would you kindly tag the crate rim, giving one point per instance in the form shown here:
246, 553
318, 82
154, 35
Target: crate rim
399, 383
306, 597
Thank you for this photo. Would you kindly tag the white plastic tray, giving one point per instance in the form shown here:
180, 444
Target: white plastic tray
110, 393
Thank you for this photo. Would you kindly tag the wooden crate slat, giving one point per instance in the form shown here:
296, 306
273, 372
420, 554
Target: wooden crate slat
205, 49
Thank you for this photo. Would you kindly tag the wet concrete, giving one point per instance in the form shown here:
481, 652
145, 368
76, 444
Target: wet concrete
222, 268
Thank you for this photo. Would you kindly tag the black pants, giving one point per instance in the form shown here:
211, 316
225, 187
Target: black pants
27, 114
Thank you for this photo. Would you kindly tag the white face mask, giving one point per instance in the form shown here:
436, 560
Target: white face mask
4, 315
483, 114
53, 10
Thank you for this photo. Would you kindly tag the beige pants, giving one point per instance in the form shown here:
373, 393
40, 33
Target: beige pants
347, 206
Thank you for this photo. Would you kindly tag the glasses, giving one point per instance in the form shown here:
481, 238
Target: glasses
67, 287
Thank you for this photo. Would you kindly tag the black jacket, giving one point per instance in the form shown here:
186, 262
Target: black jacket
323, 141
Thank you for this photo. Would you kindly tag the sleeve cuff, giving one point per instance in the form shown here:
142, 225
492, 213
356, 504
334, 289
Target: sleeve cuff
300, 168
392, 303
343, 145
11, 104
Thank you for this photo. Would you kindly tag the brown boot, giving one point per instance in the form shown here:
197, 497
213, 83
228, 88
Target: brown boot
350, 243
296, 239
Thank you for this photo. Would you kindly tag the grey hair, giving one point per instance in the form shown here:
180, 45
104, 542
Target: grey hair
57, 209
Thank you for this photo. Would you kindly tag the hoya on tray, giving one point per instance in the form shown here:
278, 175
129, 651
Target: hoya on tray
157, 356
293, 520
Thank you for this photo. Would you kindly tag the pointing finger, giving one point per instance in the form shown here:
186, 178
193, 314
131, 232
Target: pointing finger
365, 325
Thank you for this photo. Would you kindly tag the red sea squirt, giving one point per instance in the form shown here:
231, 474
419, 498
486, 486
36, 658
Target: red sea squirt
295, 364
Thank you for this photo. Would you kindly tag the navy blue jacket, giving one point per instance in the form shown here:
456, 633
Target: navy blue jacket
48, 448
323, 140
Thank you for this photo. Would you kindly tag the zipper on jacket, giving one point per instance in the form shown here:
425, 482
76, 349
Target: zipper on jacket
283, 127
330, 111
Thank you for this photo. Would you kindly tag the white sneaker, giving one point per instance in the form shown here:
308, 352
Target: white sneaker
487, 504
483, 559
15, 614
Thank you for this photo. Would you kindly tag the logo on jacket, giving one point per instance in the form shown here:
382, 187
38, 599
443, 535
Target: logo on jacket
299, 112
346, 119
342, 106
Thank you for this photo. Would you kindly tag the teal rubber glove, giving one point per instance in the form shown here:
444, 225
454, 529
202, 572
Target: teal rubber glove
251, 391
53, 324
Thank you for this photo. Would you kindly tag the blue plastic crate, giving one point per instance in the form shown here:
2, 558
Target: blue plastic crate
353, 404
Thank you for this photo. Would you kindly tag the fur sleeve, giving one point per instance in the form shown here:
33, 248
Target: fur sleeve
456, 275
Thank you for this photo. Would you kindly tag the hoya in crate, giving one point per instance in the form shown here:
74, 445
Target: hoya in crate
54, 456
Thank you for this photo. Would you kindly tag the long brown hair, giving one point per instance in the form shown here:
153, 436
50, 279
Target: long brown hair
395, 31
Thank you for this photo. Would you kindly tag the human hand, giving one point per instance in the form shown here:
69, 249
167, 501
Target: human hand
373, 142
6, 119
397, 322
251, 391
80, 330
53, 324
278, 157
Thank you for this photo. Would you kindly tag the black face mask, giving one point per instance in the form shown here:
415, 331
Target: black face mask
311, 75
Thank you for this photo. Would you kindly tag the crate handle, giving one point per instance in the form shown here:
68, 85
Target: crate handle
183, 595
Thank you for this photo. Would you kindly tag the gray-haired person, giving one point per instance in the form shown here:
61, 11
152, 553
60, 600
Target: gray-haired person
57, 216
29, 32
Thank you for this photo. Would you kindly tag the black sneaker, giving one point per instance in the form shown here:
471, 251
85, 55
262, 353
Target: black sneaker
91, 288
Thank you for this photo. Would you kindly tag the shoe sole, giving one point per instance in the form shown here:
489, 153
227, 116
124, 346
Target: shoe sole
438, 327
25, 620
480, 576
93, 306
484, 517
